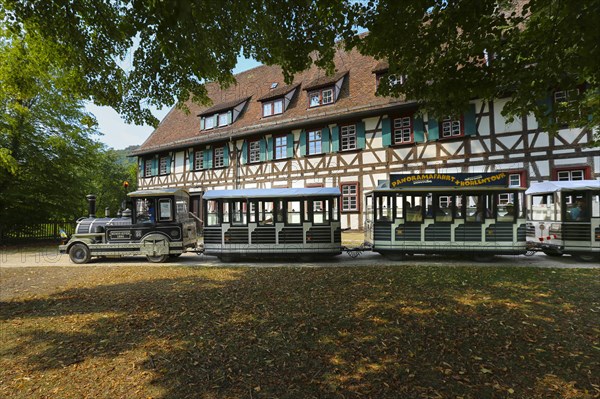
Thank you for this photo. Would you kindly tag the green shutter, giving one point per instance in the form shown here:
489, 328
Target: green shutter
155, 165
244, 157
360, 135
202, 123
302, 143
418, 130
548, 103
433, 129
263, 149
335, 139
325, 140
290, 145
226, 155
386, 132
229, 117
191, 159
169, 164
470, 121
140, 167
270, 151
215, 120
208, 155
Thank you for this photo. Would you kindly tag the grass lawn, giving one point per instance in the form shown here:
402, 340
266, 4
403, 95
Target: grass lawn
381, 332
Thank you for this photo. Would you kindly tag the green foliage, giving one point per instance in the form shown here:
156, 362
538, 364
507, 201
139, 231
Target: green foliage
130, 55
49, 158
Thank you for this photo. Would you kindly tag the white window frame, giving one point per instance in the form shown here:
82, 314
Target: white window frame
280, 147
403, 130
254, 151
349, 139
350, 197
323, 96
147, 167
274, 107
162, 165
198, 160
452, 127
570, 174
223, 119
218, 157
314, 142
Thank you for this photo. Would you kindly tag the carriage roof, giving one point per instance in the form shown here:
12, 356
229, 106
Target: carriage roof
557, 186
158, 192
273, 193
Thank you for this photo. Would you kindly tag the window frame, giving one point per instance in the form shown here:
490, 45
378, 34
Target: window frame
257, 149
317, 142
161, 171
199, 160
148, 167
449, 119
320, 92
411, 128
221, 157
585, 171
355, 195
342, 137
271, 103
283, 146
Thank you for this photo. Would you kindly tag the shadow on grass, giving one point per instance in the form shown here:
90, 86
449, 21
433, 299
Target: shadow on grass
311, 333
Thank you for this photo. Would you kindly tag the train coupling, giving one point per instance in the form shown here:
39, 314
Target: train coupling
355, 252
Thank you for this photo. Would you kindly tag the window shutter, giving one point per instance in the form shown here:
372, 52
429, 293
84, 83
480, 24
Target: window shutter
433, 129
418, 130
244, 157
360, 135
263, 149
386, 132
270, 148
155, 165
470, 121
191, 158
548, 102
325, 140
226, 155
202, 123
290, 145
169, 164
229, 117
215, 120
208, 155
335, 139
140, 167
302, 143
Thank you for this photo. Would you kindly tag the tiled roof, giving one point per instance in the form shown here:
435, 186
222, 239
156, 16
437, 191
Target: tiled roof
180, 129
279, 92
325, 81
223, 106
382, 66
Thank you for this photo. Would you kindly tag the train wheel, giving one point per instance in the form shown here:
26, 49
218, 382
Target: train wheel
80, 254
174, 256
483, 258
587, 257
157, 258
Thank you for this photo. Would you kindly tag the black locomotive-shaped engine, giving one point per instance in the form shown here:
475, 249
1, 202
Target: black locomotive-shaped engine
159, 227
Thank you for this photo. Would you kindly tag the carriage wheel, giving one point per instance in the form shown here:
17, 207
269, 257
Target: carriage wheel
587, 257
80, 254
157, 258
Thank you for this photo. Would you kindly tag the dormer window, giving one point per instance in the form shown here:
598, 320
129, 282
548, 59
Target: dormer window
321, 97
274, 107
222, 115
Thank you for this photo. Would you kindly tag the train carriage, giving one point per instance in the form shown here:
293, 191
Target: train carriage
564, 218
159, 227
270, 223
476, 214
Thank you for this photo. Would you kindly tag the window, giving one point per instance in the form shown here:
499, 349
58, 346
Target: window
219, 158
348, 134
350, 197
209, 122
314, 142
280, 148
452, 127
199, 163
274, 107
393, 80
148, 168
320, 97
164, 209
223, 119
514, 180
576, 174
254, 151
164, 165
403, 130
565, 96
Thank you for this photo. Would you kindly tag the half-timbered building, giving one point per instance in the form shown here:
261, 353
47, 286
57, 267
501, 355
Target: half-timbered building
334, 131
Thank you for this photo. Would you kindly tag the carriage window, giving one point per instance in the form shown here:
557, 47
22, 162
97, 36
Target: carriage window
506, 212
399, 206
212, 213
478, 208
265, 213
321, 212
294, 215
252, 209
164, 206
578, 209
238, 213
413, 205
457, 207
144, 210
595, 207
384, 208
542, 207
335, 210
226, 212
443, 211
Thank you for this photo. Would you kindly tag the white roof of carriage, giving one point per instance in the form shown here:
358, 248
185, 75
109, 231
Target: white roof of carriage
568, 185
274, 193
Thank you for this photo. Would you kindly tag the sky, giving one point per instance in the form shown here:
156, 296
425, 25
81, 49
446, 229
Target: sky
118, 134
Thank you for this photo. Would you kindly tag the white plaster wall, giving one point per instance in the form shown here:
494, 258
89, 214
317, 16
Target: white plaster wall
501, 125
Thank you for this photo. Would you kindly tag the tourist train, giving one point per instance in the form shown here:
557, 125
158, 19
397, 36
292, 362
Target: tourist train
473, 214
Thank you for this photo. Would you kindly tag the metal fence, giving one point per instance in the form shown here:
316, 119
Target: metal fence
35, 231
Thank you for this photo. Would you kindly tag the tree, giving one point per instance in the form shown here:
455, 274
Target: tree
49, 158
171, 47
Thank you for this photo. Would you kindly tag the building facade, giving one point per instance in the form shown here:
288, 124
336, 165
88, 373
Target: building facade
333, 131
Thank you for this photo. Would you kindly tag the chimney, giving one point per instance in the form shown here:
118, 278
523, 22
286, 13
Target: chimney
91, 205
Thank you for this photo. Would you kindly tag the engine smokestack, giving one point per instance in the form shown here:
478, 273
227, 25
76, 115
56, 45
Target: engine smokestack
91, 205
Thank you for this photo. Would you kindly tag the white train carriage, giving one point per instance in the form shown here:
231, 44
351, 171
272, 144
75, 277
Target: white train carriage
564, 218
296, 223
473, 214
